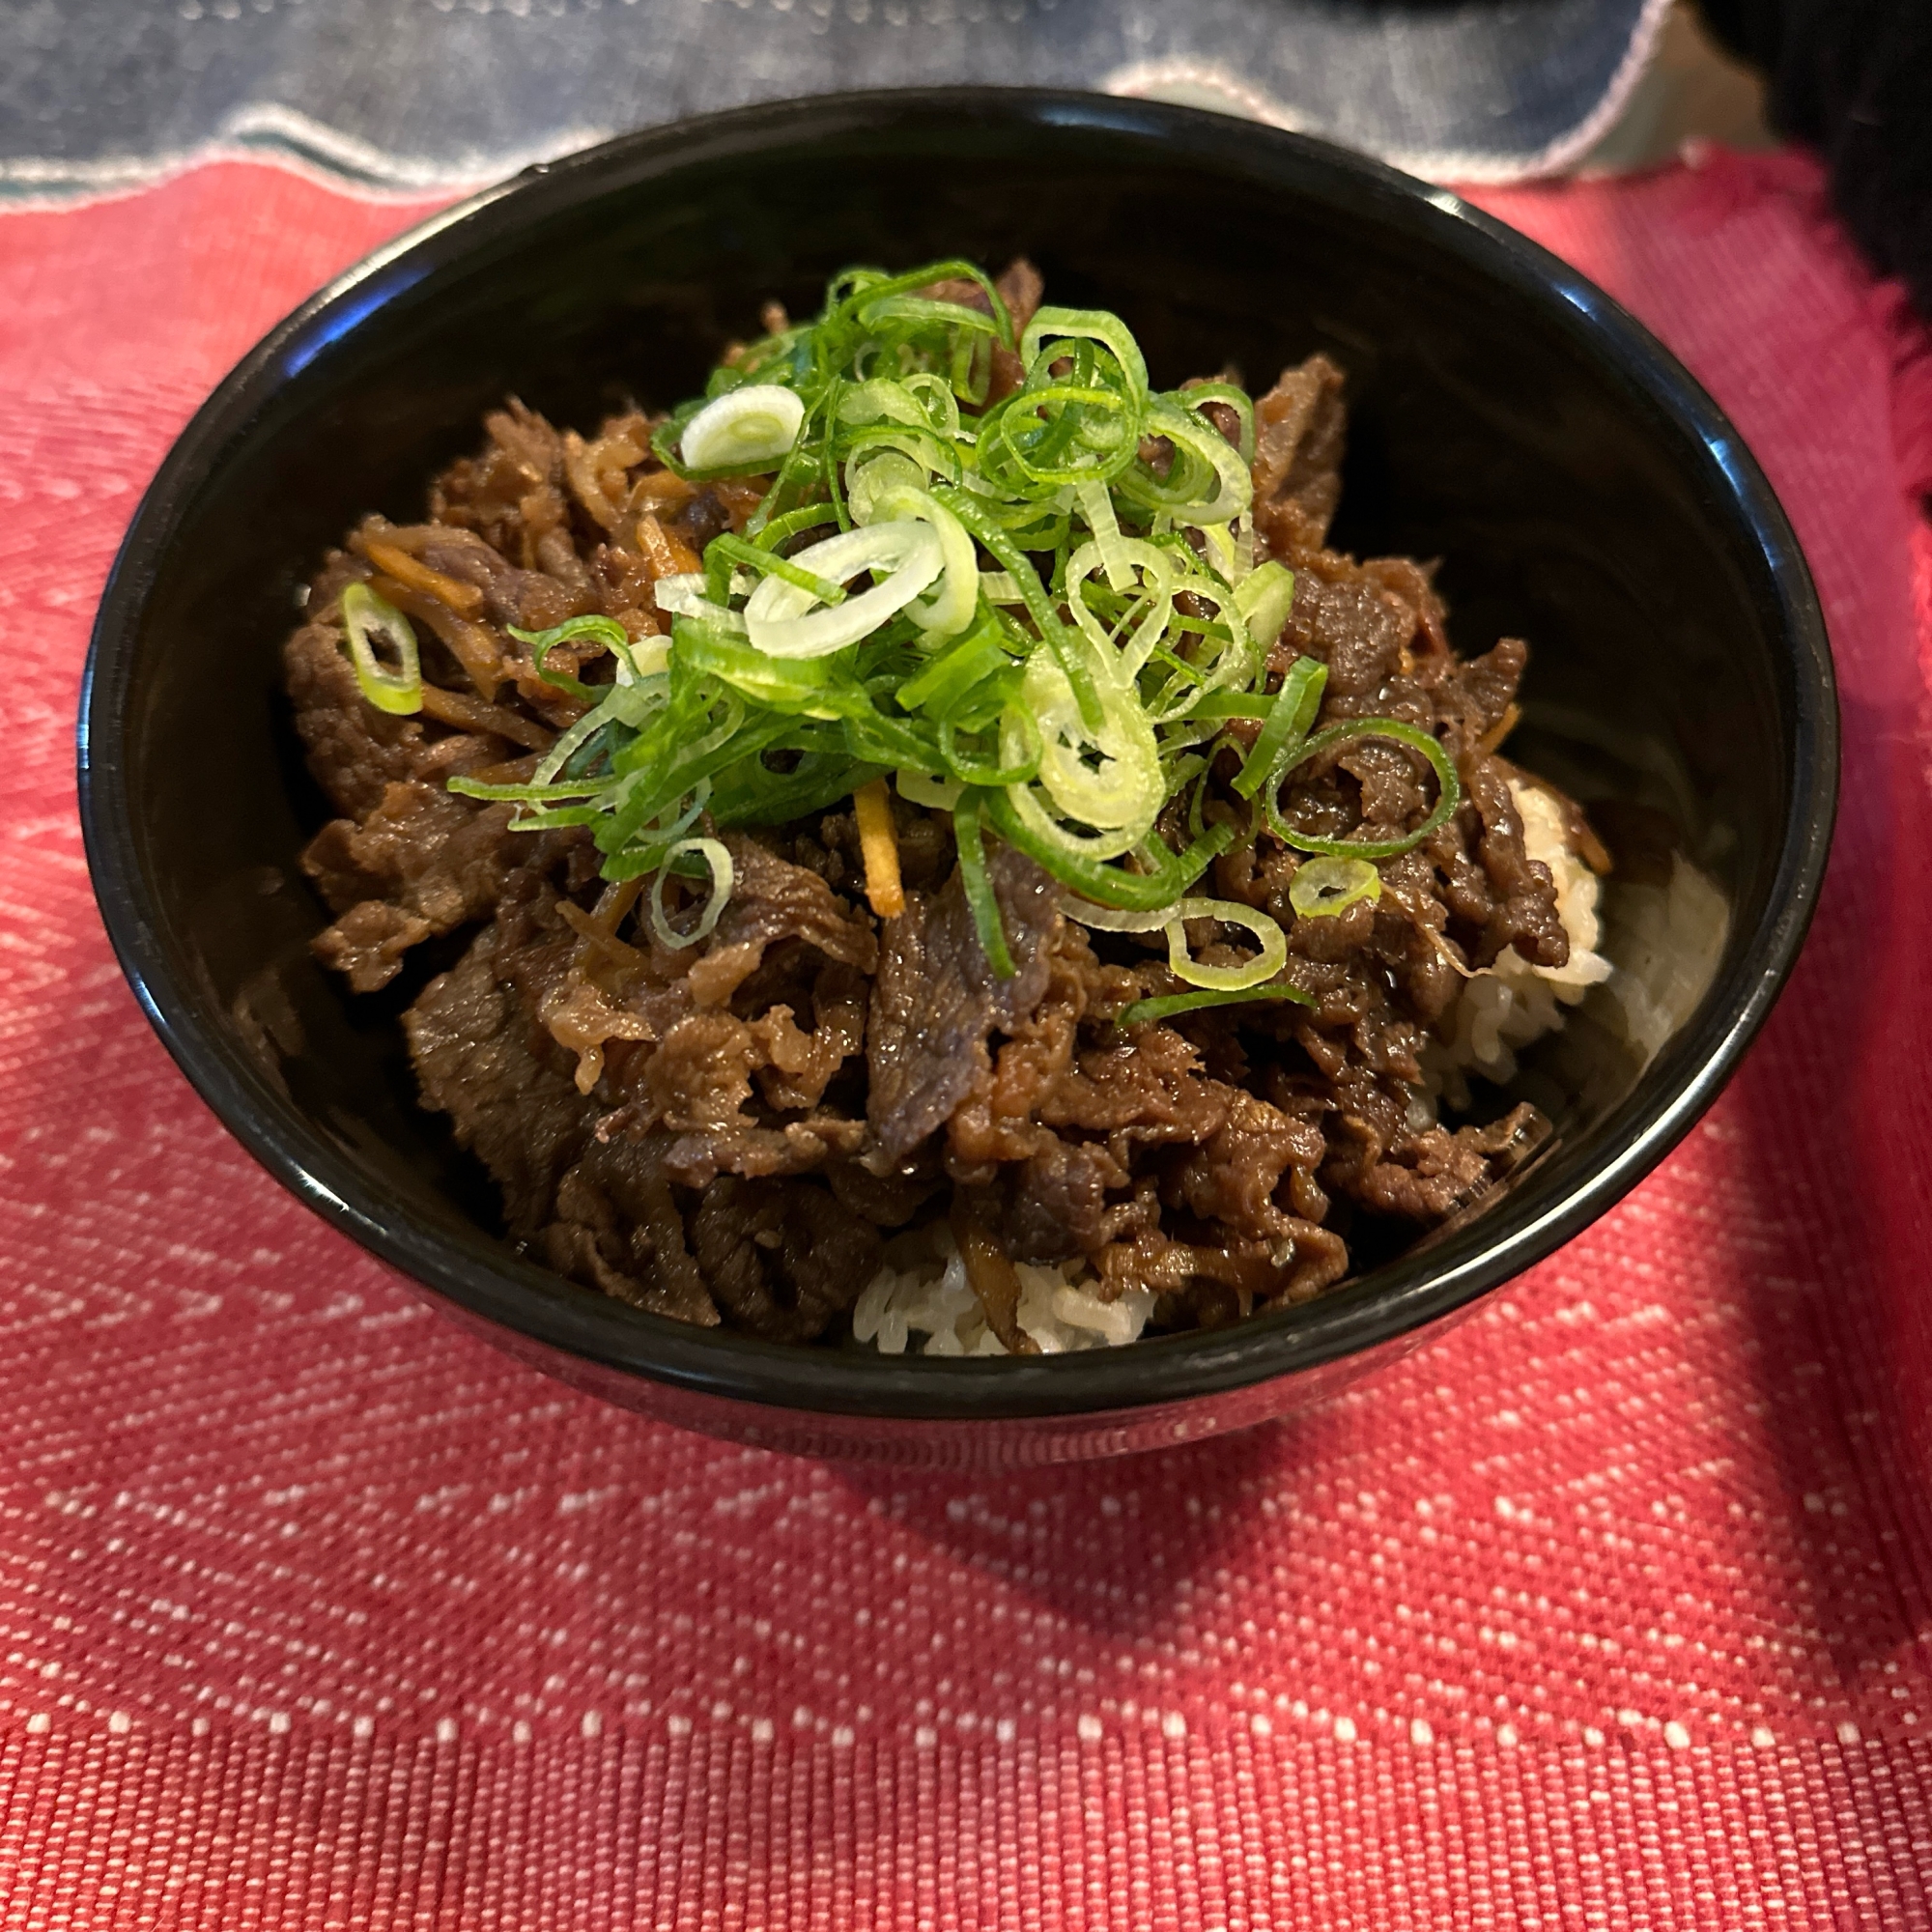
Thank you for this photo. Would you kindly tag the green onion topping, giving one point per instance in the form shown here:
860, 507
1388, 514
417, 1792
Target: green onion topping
712, 851
1448, 795
1324, 887
366, 617
1143, 1011
1041, 612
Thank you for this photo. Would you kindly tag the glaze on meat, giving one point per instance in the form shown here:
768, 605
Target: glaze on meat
729, 1133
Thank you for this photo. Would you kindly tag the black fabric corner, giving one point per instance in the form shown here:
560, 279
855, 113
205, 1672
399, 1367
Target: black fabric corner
1853, 78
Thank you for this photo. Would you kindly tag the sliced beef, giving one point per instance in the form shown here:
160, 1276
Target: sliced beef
1252, 1272
773, 899
937, 1002
482, 1058
696, 1084
1139, 1089
1429, 1176
618, 1229
423, 862
888, 1200
367, 943
355, 751
533, 600
1054, 1205
993, 1278
756, 1152
1353, 626
1300, 426
1234, 1175
782, 1256
1524, 911
511, 494
1021, 289
1396, 788
701, 1075
1483, 689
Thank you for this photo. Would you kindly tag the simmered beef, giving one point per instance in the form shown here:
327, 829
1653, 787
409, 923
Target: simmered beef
936, 1000
619, 1227
773, 899
728, 1130
782, 1257
485, 1061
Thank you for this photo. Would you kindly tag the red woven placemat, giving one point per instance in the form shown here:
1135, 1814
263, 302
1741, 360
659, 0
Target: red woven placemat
1614, 1608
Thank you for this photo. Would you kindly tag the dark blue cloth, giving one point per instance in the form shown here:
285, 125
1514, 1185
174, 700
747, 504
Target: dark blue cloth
402, 91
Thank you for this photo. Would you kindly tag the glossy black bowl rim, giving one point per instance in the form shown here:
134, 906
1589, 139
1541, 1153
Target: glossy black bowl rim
479, 1274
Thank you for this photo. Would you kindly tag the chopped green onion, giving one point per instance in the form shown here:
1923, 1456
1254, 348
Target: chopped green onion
754, 556
1173, 920
1144, 1011
1114, 919
779, 616
1203, 462
1449, 790
1265, 598
793, 684
526, 794
750, 793
1193, 395
1019, 747
1096, 505
1039, 606
756, 425
980, 898
951, 607
1005, 605
1326, 887
1142, 600
605, 631
1164, 880
781, 529
684, 596
1068, 426
1052, 326
954, 671
712, 851
793, 473
1218, 705
1296, 706
1265, 965
364, 616
872, 293
922, 788
1108, 777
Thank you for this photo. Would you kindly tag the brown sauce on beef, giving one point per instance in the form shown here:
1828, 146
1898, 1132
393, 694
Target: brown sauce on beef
727, 1133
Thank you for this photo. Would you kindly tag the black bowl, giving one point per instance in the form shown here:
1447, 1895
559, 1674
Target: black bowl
1507, 417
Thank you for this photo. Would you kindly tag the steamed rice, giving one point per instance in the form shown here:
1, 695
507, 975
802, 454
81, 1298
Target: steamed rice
1670, 938
1508, 1006
923, 1291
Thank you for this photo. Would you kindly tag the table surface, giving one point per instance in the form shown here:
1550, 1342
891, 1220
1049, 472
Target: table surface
1614, 1607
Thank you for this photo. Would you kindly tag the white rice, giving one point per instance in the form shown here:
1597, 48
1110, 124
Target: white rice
1506, 1007
923, 1291
1671, 941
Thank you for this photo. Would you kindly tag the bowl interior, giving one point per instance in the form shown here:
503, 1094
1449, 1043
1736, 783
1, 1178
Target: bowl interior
1580, 491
